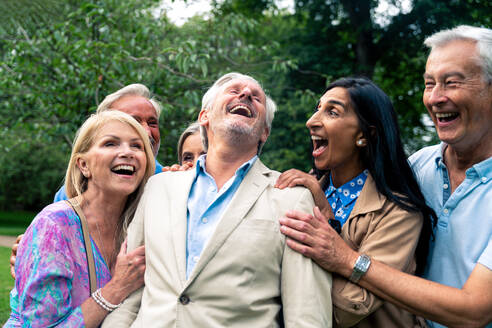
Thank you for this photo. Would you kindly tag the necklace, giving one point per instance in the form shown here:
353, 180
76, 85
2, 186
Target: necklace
102, 248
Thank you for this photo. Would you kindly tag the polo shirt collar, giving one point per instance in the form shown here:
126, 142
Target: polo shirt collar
483, 169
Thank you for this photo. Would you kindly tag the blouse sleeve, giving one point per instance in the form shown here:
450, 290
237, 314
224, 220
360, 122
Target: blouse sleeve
45, 269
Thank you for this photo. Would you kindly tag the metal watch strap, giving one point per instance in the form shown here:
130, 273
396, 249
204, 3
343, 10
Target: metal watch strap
360, 268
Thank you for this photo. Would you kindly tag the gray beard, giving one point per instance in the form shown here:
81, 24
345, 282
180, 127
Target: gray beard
237, 134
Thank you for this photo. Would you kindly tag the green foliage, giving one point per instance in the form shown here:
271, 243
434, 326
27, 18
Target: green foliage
58, 59
19, 218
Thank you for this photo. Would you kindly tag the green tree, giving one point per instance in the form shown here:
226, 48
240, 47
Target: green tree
57, 71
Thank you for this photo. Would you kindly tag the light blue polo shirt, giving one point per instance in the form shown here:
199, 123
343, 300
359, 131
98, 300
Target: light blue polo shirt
206, 204
464, 228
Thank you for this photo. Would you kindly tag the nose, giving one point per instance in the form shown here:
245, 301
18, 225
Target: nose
147, 129
313, 122
126, 150
246, 93
149, 133
436, 96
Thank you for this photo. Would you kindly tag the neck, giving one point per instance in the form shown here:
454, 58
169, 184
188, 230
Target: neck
462, 158
459, 160
342, 175
223, 160
106, 209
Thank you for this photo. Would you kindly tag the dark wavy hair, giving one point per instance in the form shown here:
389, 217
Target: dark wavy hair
384, 156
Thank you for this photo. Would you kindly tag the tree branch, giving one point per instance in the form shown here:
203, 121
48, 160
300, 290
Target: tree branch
168, 68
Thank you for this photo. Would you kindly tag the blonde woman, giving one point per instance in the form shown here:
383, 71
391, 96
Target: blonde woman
111, 161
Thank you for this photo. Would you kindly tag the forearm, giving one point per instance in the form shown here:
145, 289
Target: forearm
94, 313
126, 314
453, 307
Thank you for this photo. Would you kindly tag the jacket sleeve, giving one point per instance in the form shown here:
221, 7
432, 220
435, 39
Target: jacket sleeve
391, 238
125, 315
305, 287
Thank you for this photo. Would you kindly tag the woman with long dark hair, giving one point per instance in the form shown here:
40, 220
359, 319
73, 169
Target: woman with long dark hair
366, 181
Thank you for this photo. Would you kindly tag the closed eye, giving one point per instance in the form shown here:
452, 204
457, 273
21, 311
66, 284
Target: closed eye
187, 157
137, 145
429, 84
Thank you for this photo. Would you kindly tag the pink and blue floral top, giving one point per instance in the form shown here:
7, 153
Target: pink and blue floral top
52, 274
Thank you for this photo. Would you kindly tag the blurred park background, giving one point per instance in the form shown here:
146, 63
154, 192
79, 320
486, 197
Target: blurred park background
59, 59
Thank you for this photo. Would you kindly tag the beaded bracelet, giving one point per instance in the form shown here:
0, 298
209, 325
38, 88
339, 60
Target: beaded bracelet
99, 299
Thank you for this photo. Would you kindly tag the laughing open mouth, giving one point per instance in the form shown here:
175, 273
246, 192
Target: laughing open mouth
446, 117
124, 169
318, 142
319, 145
241, 110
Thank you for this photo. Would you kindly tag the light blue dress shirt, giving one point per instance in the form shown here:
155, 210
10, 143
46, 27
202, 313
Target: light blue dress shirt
463, 236
342, 199
206, 205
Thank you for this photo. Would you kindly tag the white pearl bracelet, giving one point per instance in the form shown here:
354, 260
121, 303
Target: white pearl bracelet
99, 299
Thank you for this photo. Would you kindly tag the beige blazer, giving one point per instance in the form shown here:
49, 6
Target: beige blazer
246, 276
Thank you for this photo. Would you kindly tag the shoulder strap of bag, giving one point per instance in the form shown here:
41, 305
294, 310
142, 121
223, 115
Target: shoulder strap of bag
87, 240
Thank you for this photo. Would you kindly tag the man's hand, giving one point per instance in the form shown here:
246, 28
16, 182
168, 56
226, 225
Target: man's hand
293, 177
176, 167
313, 236
13, 255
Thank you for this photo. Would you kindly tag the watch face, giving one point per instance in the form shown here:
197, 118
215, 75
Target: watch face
360, 268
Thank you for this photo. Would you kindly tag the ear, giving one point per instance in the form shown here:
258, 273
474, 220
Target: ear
360, 140
83, 167
203, 117
264, 135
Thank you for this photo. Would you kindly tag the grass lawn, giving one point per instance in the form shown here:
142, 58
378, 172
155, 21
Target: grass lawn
6, 284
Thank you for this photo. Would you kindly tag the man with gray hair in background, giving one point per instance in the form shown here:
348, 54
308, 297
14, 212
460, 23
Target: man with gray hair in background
214, 254
135, 100
456, 180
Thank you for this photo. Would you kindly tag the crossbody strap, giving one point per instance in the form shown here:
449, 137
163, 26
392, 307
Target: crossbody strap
87, 241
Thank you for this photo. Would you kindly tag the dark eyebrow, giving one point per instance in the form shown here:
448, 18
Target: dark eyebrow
336, 102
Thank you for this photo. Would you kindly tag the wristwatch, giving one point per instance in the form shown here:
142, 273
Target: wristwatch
360, 268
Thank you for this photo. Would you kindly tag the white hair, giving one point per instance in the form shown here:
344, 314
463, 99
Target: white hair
135, 89
209, 98
482, 36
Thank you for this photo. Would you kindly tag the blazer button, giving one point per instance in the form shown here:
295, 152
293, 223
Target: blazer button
183, 299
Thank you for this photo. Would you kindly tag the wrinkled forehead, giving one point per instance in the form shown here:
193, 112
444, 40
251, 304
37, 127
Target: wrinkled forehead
134, 105
457, 55
241, 83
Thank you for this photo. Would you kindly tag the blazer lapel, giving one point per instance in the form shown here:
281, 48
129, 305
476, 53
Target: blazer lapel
248, 192
179, 208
